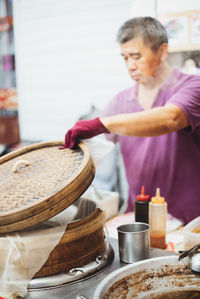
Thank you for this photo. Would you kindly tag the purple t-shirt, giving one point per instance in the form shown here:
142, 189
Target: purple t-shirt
170, 162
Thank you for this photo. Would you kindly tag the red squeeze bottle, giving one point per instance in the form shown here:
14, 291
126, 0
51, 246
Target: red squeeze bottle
142, 207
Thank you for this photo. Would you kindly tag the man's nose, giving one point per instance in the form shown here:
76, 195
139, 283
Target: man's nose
131, 64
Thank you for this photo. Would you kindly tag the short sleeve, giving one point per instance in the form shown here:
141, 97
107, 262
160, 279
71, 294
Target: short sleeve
111, 109
188, 99
123, 102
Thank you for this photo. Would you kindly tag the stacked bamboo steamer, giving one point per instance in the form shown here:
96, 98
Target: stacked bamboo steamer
39, 181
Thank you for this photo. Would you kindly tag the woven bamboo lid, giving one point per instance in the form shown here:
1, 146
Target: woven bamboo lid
39, 181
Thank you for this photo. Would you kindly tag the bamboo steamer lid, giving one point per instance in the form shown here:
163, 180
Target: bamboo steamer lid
39, 181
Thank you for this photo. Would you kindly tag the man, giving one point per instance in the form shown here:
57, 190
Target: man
156, 122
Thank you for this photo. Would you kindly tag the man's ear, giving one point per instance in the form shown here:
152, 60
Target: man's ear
163, 51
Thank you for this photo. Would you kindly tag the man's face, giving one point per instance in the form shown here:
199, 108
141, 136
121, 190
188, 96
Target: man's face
141, 61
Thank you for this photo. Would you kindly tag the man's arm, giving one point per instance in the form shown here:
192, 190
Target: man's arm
153, 122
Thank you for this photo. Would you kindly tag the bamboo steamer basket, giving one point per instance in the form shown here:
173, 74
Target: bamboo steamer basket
39, 181
81, 243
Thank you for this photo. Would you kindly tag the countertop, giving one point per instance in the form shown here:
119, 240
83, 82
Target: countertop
87, 287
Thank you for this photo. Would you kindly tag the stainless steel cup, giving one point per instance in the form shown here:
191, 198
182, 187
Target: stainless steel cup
134, 242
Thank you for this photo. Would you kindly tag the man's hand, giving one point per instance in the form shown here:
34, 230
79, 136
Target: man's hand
83, 129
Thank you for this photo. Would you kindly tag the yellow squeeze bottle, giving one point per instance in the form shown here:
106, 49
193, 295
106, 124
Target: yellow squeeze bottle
157, 220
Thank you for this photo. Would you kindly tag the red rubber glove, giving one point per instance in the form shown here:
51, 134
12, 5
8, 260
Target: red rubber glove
83, 129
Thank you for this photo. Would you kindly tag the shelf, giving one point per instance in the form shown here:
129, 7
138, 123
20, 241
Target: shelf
9, 130
9, 126
6, 24
173, 49
8, 113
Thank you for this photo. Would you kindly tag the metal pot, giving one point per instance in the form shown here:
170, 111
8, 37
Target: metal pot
150, 278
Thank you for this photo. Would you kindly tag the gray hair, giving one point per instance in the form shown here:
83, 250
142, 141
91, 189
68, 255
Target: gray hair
151, 31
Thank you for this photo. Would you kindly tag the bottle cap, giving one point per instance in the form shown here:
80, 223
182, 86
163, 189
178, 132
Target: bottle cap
157, 198
143, 196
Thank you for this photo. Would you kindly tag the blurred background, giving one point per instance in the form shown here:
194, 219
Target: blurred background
60, 62
59, 59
